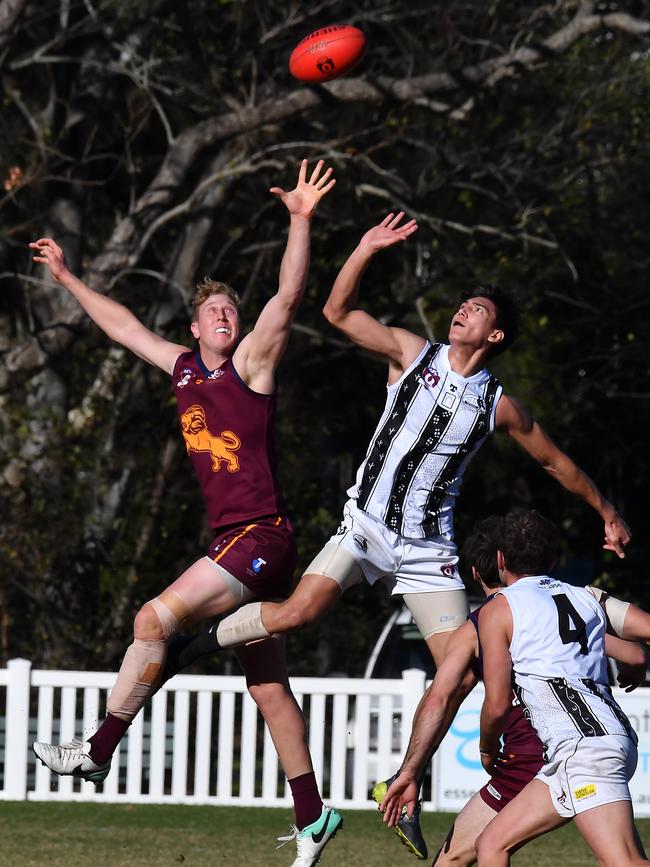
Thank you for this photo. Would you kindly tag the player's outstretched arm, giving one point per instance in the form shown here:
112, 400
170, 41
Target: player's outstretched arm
114, 319
495, 628
512, 418
628, 652
259, 354
341, 309
431, 723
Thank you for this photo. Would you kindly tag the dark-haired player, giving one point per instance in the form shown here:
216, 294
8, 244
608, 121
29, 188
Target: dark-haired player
545, 639
397, 526
522, 753
225, 393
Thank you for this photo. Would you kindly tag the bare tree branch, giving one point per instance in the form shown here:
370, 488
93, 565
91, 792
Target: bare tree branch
10, 12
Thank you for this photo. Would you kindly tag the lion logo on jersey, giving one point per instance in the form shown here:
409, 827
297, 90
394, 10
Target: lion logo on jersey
199, 439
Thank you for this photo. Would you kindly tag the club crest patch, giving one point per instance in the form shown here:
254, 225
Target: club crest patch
430, 376
360, 541
186, 375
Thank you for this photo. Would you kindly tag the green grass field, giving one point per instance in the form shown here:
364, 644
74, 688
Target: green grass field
92, 835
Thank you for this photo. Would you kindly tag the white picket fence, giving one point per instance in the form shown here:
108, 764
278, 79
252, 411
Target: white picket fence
202, 739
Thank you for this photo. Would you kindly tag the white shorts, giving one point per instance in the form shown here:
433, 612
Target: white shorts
363, 547
590, 772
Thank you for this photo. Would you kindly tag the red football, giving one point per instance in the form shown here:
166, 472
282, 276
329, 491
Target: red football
327, 53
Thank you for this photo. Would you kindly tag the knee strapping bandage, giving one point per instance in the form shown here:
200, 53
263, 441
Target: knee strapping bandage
242, 626
171, 611
138, 678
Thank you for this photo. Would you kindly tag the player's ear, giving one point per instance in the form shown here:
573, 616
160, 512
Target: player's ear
501, 563
476, 575
194, 328
497, 336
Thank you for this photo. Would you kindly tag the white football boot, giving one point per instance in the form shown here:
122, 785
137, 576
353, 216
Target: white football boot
71, 760
313, 838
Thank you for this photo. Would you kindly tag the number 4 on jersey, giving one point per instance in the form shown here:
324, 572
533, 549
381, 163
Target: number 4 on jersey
571, 626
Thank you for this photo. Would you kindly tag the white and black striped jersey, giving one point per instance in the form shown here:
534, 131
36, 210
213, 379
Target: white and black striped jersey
558, 658
433, 423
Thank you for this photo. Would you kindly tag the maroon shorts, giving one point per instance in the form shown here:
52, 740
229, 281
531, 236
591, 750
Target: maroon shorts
262, 555
509, 777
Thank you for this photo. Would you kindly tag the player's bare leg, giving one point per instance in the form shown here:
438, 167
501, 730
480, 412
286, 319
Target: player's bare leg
313, 597
198, 593
609, 832
266, 677
459, 849
526, 817
265, 668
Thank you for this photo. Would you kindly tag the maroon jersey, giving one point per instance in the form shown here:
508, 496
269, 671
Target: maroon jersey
229, 435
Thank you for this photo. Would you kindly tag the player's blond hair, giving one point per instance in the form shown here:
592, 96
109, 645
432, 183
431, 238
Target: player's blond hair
208, 287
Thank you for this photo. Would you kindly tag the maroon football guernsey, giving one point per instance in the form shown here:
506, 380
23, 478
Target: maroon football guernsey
229, 435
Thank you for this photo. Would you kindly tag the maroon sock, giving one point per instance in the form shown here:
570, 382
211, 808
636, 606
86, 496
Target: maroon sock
105, 740
307, 802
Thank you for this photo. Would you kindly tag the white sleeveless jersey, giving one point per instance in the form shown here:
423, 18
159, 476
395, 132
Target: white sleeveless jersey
433, 423
558, 657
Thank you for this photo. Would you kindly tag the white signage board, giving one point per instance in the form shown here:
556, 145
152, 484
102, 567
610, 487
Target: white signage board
458, 772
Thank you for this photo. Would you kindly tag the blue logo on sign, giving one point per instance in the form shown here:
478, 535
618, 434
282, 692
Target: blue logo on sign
465, 728
257, 564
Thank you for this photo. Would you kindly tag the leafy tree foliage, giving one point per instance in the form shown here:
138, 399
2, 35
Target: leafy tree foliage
144, 136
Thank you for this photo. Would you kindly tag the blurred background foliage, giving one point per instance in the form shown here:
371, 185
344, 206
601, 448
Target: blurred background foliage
144, 136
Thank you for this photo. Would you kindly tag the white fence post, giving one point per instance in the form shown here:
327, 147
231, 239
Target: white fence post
17, 729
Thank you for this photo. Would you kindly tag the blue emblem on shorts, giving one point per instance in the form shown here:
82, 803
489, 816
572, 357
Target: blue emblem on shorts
257, 564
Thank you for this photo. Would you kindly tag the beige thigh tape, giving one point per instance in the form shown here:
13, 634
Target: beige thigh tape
437, 612
337, 563
239, 591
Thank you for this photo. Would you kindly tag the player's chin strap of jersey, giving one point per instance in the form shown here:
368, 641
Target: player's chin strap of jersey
615, 609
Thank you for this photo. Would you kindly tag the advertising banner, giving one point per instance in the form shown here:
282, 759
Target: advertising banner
458, 773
